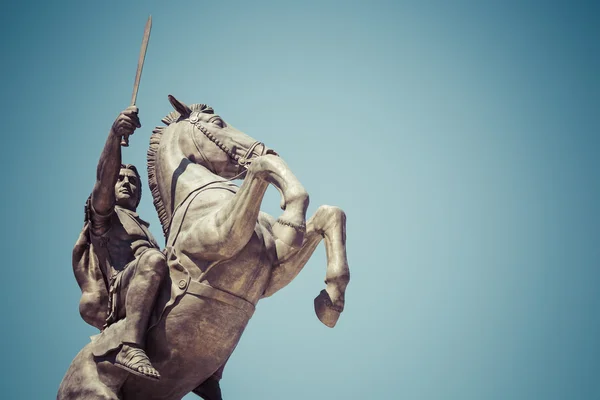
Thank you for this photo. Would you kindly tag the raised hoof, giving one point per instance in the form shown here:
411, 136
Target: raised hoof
327, 313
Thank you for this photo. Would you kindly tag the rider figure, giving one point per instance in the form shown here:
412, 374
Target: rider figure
133, 264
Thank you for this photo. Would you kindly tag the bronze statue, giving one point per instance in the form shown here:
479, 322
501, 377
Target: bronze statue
222, 253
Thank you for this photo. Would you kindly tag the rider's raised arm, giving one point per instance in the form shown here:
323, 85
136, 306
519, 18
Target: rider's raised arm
103, 195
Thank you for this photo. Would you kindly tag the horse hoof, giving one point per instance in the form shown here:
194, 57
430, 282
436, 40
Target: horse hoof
327, 313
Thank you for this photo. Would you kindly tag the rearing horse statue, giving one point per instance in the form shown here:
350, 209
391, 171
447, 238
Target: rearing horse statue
223, 253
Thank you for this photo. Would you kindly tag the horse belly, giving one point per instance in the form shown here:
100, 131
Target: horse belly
190, 343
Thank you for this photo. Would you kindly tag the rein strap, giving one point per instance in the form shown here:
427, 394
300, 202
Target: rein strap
244, 161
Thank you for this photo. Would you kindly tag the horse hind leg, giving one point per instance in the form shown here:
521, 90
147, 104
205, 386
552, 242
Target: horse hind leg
329, 224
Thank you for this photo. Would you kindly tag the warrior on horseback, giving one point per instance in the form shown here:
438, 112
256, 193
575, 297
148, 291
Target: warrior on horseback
129, 259
223, 255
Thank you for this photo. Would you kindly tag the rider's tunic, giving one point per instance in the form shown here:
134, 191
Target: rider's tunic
125, 236
120, 238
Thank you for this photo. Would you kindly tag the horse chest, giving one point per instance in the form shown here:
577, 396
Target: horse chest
249, 272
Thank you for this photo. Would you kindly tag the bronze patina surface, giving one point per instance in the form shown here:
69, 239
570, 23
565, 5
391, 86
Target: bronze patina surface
222, 256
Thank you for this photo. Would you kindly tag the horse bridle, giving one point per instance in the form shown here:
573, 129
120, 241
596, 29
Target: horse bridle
242, 162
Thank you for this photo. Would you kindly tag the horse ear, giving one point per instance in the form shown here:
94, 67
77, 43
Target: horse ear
180, 107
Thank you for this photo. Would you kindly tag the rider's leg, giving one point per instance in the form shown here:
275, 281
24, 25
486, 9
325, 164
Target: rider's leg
140, 285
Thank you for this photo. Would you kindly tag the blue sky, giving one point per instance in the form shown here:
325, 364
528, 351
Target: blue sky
460, 138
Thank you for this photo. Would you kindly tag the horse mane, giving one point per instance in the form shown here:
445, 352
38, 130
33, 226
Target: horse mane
157, 133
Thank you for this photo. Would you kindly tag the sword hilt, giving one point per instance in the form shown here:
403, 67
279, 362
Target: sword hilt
125, 141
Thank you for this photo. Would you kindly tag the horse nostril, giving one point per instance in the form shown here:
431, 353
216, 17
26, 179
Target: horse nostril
272, 152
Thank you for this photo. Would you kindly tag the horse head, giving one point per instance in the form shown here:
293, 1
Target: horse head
215, 144
196, 148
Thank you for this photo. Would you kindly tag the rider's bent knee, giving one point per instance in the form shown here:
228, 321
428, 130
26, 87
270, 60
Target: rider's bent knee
154, 261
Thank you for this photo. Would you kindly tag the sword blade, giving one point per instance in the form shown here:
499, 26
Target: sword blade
138, 74
140, 66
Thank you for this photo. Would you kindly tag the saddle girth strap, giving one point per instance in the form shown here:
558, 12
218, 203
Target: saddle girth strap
203, 290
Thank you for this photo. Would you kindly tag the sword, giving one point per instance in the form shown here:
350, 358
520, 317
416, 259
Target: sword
138, 75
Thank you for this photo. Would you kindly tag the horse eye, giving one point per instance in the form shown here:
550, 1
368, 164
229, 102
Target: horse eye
218, 122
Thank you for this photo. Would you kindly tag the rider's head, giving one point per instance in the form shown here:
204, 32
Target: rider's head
128, 190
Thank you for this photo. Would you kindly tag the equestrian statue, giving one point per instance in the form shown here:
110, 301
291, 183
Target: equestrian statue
170, 319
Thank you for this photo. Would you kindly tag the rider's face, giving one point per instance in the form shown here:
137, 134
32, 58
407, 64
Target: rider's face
126, 189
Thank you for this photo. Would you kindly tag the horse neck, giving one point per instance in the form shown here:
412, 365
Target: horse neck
180, 171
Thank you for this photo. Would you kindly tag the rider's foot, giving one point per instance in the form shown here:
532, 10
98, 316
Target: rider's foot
133, 359
209, 389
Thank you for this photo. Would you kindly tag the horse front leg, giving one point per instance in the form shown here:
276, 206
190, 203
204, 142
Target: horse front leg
328, 223
291, 226
225, 232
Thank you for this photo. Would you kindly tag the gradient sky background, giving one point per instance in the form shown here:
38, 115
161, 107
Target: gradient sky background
461, 138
